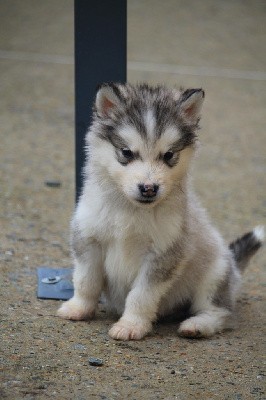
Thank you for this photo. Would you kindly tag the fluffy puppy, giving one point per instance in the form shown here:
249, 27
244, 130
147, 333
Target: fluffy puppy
139, 233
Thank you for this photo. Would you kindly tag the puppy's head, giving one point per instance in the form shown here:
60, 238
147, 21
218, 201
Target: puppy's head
142, 138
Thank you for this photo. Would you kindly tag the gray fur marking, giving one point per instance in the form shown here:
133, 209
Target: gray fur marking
166, 266
224, 294
134, 104
244, 248
80, 245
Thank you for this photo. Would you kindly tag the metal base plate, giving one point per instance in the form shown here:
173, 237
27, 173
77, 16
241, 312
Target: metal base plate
55, 283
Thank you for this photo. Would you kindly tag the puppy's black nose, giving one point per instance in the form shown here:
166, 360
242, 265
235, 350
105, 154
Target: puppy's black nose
148, 190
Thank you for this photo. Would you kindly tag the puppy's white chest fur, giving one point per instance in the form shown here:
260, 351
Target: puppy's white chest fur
122, 261
127, 237
125, 253
130, 230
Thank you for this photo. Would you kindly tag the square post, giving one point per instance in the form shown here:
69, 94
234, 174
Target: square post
100, 56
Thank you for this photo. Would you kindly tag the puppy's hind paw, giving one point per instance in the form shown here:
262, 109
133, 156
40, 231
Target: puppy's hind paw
76, 310
195, 327
205, 324
190, 332
125, 330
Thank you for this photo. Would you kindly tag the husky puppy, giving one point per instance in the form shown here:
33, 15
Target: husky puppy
139, 233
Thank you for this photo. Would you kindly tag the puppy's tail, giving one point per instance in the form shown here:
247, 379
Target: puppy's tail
246, 246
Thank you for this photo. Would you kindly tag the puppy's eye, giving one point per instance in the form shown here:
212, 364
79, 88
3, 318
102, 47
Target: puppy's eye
128, 154
168, 156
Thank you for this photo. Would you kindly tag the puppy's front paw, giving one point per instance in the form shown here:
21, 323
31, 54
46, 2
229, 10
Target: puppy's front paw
76, 310
125, 330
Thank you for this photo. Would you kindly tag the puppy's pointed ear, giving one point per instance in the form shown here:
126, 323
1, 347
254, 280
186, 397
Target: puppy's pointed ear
107, 99
191, 101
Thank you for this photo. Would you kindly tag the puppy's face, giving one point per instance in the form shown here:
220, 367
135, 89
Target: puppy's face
144, 138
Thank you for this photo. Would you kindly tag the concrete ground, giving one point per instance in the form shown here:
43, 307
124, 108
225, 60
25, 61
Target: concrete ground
217, 45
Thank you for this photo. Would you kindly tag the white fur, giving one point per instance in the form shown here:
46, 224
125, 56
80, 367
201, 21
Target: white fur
131, 135
150, 122
259, 232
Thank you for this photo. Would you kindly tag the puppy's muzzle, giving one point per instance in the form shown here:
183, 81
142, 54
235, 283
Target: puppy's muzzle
148, 192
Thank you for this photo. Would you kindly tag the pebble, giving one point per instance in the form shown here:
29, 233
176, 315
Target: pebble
79, 346
95, 362
127, 377
53, 183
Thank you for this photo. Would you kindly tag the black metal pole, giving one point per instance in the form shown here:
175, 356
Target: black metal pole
100, 56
